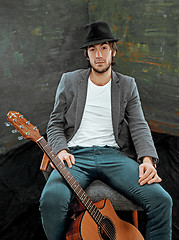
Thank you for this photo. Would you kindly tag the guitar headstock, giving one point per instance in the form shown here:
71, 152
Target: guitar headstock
26, 129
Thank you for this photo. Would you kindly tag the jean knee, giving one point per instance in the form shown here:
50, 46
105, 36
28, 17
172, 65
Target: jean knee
164, 202
54, 198
167, 200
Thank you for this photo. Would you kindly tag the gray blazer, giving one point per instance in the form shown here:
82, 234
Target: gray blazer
131, 131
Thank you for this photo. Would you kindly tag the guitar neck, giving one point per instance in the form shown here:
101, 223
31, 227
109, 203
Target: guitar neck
74, 185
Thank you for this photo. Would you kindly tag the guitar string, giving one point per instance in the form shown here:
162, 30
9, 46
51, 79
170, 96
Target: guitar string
109, 232
108, 229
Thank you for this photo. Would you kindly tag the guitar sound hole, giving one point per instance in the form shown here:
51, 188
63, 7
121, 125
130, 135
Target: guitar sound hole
107, 229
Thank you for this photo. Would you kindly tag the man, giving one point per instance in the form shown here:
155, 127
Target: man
96, 112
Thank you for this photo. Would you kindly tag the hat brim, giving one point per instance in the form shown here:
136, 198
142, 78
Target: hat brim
98, 41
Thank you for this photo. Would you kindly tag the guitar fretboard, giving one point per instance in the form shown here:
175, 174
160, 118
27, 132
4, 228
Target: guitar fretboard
80, 193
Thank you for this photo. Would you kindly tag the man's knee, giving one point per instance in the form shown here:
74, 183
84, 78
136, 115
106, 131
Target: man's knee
55, 197
163, 201
167, 200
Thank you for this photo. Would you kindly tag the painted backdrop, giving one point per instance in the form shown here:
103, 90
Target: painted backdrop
40, 39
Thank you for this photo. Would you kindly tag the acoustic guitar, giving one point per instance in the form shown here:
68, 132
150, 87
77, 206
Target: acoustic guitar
99, 220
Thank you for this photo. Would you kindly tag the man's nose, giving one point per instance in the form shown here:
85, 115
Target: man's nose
98, 54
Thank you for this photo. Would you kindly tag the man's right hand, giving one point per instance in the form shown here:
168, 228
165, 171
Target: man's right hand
65, 156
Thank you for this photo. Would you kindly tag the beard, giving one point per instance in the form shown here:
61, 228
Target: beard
102, 70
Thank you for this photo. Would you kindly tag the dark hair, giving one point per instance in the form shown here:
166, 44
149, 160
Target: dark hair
113, 46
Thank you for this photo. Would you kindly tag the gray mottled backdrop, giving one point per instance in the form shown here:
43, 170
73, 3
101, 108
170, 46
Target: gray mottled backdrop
40, 39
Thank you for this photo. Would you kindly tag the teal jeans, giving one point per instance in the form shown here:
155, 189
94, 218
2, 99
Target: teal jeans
118, 171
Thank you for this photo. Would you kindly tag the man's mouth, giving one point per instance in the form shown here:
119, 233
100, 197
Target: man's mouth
99, 61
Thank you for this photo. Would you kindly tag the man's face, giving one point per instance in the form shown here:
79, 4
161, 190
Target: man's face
100, 57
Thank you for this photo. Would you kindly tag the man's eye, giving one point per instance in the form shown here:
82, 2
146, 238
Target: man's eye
91, 49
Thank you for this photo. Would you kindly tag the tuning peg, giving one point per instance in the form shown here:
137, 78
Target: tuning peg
14, 131
8, 124
20, 138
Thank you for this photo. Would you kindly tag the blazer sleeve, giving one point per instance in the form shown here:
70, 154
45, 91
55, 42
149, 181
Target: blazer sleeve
55, 128
139, 129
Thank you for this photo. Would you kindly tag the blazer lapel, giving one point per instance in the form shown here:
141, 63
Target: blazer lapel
115, 102
81, 96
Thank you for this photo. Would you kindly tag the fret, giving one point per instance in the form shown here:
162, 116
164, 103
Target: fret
44, 143
79, 191
78, 187
84, 197
51, 154
47, 148
59, 165
75, 186
92, 209
66, 174
86, 203
72, 180
78, 194
90, 203
56, 161
97, 215
95, 212
100, 219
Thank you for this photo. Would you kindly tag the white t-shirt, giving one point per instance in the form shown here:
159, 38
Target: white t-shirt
96, 125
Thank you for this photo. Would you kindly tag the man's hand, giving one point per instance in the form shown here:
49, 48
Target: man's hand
65, 156
147, 172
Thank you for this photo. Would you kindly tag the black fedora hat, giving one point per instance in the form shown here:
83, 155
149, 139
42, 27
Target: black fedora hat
98, 32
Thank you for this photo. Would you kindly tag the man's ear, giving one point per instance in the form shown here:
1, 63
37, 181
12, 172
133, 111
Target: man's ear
86, 53
114, 53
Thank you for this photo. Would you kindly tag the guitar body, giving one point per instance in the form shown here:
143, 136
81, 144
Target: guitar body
85, 228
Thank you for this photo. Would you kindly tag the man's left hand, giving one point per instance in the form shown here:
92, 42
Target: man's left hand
147, 172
